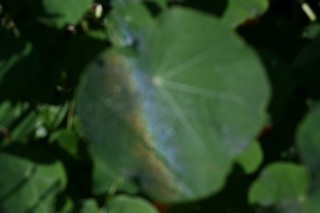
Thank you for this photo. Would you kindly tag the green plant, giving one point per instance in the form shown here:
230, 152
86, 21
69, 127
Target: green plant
159, 106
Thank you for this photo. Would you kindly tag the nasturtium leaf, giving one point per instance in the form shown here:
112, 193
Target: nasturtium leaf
251, 158
239, 11
175, 114
308, 139
127, 204
280, 184
58, 15
27, 185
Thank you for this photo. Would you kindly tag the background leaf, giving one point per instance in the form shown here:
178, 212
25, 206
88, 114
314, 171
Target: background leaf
251, 158
33, 185
126, 204
308, 139
58, 15
283, 185
239, 11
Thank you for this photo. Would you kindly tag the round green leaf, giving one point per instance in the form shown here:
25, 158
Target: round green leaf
308, 138
280, 184
29, 186
126, 204
176, 114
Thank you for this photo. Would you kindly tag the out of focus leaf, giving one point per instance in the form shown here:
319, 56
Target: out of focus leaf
58, 15
67, 140
283, 185
308, 138
27, 185
88, 206
251, 158
239, 11
126, 204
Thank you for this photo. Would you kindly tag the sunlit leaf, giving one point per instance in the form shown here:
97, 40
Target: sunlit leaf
177, 112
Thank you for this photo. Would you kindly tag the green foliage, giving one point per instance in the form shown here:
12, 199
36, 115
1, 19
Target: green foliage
179, 118
125, 204
159, 106
282, 185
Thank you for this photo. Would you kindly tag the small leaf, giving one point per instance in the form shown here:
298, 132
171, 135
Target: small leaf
17, 122
126, 204
280, 184
251, 158
239, 11
67, 140
51, 116
58, 15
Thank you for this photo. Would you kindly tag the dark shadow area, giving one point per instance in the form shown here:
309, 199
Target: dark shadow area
214, 7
